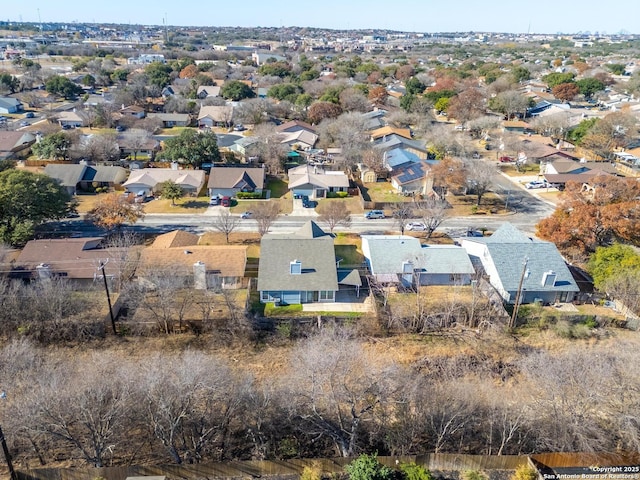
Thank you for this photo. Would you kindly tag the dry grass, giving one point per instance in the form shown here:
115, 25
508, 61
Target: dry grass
464, 205
351, 203
285, 204
183, 205
87, 203
250, 239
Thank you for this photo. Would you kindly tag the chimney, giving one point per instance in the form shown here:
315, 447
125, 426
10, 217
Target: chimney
44, 271
199, 276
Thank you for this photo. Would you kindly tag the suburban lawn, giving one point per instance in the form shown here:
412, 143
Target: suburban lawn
348, 247
352, 203
286, 205
183, 205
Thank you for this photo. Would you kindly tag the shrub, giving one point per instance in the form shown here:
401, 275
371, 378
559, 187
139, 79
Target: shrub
312, 472
474, 475
525, 472
342, 194
367, 467
251, 195
412, 471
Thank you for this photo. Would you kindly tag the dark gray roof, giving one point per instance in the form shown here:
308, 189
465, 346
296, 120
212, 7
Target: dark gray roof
315, 253
509, 247
67, 175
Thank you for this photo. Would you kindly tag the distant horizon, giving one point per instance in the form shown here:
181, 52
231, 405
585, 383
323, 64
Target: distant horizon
411, 16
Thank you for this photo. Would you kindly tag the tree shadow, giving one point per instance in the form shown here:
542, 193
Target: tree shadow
194, 204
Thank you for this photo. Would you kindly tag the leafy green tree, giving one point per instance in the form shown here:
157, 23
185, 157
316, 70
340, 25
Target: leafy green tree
577, 133
55, 146
284, 91
9, 82
275, 69
435, 95
172, 191
589, 86
26, 200
608, 262
414, 86
89, 80
332, 94
616, 68
367, 467
192, 148
59, 85
520, 74
442, 104
309, 75
236, 90
557, 78
119, 75
158, 74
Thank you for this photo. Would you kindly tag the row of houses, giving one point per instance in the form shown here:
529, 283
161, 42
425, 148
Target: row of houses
302, 267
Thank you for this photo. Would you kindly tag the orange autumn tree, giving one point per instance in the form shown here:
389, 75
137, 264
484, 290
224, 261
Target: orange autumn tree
593, 216
114, 211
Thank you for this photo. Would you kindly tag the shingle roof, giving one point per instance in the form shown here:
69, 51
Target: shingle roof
66, 175
232, 177
508, 247
386, 254
177, 238
308, 175
152, 176
77, 258
227, 260
316, 254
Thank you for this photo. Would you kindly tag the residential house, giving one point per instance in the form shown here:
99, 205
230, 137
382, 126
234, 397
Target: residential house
82, 177
295, 126
515, 262
134, 111
228, 181
315, 181
70, 119
297, 134
413, 178
148, 180
398, 158
205, 91
172, 119
15, 144
403, 260
137, 142
10, 105
208, 266
561, 171
77, 260
298, 268
243, 146
393, 141
215, 116
374, 119
382, 132
261, 58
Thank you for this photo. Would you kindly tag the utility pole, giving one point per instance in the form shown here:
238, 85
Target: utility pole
7, 456
516, 305
106, 289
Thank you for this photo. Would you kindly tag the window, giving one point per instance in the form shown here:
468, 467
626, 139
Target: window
326, 294
295, 267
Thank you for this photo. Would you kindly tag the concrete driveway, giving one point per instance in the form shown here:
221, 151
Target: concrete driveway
300, 211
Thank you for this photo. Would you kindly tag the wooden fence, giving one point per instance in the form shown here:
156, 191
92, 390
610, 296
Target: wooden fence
291, 468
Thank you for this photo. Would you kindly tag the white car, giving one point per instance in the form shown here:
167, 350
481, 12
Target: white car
416, 227
536, 184
245, 215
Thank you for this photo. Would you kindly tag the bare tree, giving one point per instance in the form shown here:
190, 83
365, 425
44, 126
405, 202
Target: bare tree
480, 175
334, 213
402, 213
136, 140
433, 212
225, 223
265, 213
269, 147
102, 147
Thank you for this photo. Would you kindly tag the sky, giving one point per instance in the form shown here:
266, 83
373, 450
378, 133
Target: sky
538, 16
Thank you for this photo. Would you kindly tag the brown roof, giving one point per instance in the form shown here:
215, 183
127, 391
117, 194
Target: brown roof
228, 260
177, 238
232, 177
387, 130
295, 125
77, 258
11, 142
584, 177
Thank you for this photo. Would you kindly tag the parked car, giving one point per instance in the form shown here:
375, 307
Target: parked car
505, 159
239, 128
245, 215
305, 201
29, 115
225, 201
416, 227
119, 128
536, 184
374, 214
214, 201
24, 123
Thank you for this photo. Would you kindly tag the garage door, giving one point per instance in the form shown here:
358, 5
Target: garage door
291, 298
